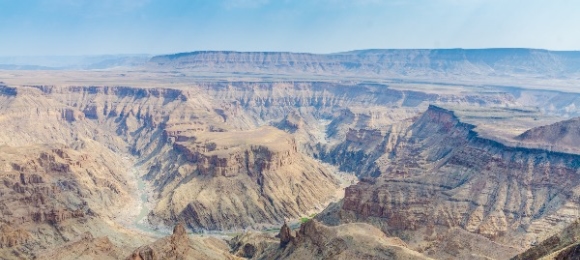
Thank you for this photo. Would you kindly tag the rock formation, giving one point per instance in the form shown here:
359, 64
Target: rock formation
440, 174
562, 245
285, 235
226, 180
10, 237
350, 241
180, 246
57, 190
252, 245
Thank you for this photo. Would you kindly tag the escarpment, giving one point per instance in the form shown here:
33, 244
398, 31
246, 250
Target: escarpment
402, 63
362, 147
273, 101
238, 179
440, 174
211, 159
43, 185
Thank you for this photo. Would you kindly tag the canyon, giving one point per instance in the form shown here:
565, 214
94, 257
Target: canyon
396, 154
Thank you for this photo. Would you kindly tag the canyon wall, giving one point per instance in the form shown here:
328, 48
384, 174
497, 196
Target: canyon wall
439, 175
235, 155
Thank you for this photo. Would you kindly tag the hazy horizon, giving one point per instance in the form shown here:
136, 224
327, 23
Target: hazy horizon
257, 51
153, 27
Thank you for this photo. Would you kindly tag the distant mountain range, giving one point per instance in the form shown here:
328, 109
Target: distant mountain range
408, 62
533, 63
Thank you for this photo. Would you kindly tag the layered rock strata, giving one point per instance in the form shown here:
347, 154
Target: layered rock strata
440, 174
238, 179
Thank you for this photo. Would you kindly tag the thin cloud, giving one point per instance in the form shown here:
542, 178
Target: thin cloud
232, 4
115, 6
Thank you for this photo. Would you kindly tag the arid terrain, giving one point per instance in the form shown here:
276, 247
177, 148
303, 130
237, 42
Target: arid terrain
375, 154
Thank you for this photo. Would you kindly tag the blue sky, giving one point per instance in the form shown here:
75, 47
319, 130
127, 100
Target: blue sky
89, 27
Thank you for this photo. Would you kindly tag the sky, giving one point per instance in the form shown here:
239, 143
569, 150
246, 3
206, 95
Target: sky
95, 27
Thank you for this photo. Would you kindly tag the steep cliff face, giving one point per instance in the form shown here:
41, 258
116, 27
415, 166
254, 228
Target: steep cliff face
122, 118
61, 172
50, 193
441, 175
362, 147
239, 179
275, 100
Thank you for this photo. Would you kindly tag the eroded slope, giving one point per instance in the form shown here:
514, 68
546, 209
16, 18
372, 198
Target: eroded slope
239, 179
440, 175
314, 240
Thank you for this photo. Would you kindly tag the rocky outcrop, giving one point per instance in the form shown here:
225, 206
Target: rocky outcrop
239, 179
56, 189
252, 244
285, 235
291, 122
172, 247
71, 115
362, 147
572, 252
217, 159
7, 91
562, 245
180, 246
440, 174
10, 237
351, 241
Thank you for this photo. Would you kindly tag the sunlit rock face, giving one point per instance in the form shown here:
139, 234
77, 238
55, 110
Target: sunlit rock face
441, 174
247, 152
